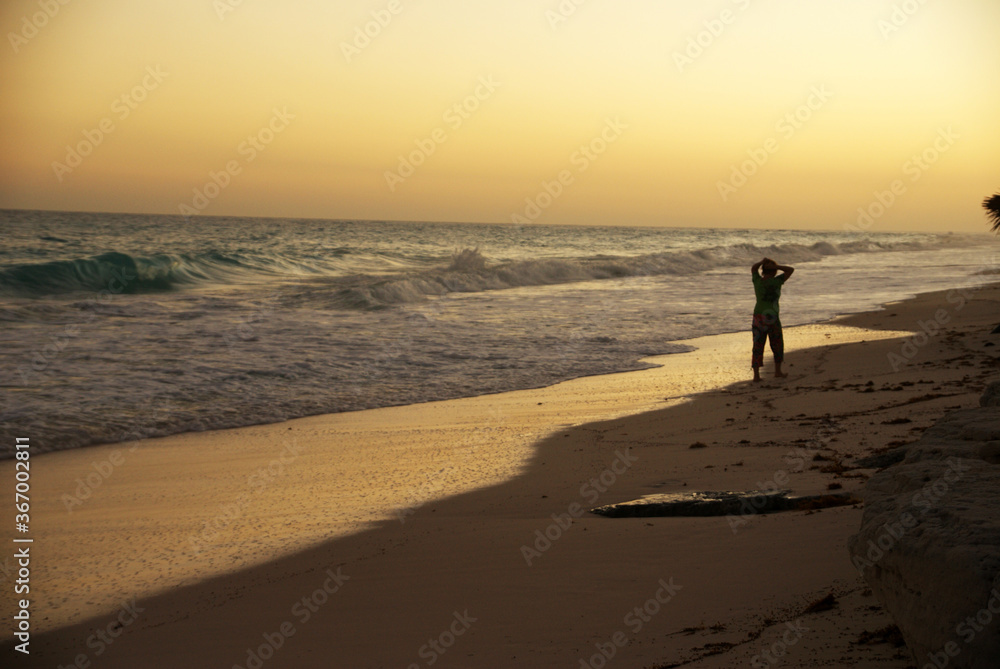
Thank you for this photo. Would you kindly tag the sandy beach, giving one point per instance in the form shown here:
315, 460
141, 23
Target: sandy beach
456, 533
419, 335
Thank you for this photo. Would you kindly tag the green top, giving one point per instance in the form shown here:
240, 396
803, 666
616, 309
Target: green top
768, 291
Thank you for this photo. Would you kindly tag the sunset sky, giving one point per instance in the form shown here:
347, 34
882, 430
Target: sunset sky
296, 113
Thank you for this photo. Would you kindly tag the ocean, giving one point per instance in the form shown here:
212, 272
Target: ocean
121, 326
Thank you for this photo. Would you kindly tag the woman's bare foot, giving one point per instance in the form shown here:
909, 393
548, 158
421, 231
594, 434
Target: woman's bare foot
780, 375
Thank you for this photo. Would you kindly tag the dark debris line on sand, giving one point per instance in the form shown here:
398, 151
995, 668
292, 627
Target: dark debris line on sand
721, 504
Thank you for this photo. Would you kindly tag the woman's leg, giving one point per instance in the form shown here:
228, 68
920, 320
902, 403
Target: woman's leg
759, 330
777, 341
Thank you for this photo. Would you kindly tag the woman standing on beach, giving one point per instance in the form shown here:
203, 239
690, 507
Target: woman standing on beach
766, 323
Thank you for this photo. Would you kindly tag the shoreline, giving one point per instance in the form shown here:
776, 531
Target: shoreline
648, 360
520, 435
60, 427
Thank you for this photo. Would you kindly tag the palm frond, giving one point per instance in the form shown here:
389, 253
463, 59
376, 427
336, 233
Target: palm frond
992, 206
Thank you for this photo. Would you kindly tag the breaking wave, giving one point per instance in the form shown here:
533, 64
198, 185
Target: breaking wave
469, 271
345, 282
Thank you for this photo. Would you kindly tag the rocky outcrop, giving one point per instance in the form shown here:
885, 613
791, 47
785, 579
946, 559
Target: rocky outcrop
929, 544
991, 398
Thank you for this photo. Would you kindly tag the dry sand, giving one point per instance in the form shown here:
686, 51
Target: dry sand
433, 510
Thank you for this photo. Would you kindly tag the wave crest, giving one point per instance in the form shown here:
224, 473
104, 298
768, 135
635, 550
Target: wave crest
470, 272
123, 273
374, 282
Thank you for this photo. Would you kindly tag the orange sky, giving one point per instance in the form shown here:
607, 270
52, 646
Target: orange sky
733, 113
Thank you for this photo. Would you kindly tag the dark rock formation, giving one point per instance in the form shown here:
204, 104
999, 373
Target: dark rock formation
991, 398
881, 460
929, 544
